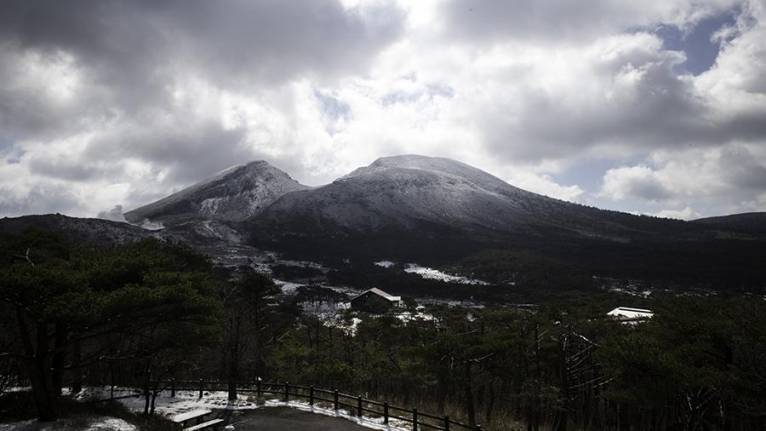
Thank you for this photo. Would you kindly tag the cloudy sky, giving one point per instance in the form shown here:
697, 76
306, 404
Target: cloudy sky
657, 106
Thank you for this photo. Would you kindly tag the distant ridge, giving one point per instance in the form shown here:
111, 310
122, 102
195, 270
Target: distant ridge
431, 209
233, 194
749, 222
413, 193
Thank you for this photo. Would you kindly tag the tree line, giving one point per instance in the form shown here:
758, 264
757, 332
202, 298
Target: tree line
147, 312
699, 364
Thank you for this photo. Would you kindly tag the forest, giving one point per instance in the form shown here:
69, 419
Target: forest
143, 313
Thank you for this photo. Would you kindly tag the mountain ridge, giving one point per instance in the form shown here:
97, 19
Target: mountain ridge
405, 191
434, 210
232, 195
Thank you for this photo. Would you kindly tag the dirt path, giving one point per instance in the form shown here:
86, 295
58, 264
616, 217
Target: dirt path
285, 418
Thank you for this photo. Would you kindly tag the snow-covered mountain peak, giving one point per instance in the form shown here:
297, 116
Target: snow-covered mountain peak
233, 194
424, 168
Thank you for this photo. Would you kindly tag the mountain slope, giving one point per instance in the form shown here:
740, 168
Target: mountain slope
438, 210
81, 230
232, 195
412, 193
746, 222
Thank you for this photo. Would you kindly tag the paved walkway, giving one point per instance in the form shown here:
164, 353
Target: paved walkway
285, 418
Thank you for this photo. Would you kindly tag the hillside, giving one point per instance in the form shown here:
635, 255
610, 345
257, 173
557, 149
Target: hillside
745, 222
234, 194
80, 230
439, 210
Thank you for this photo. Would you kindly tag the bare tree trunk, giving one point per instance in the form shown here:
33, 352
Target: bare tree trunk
155, 391
39, 368
538, 383
469, 403
76, 371
490, 401
233, 371
147, 386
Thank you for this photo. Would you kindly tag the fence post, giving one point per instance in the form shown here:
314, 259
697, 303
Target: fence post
201, 387
385, 412
311, 396
359, 406
446, 423
335, 399
258, 390
414, 419
287, 392
172, 388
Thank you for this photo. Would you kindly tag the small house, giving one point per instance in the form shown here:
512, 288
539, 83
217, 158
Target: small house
630, 315
375, 301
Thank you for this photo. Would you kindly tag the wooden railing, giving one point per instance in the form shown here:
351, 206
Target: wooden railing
356, 405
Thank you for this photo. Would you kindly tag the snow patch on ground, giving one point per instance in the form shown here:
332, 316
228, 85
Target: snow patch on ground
210, 206
186, 401
324, 308
435, 274
183, 402
71, 424
384, 263
365, 421
302, 264
287, 287
337, 321
151, 225
408, 316
111, 424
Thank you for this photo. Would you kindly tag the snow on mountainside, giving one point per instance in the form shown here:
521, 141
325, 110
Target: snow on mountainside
234, 194
409, 191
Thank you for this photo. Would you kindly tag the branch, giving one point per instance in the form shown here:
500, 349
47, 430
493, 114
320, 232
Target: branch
26, 257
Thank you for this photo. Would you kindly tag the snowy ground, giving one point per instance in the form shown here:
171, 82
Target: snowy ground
186, 401
168, 406
71, 424
431, 273
365, 421
435, 274
287, 287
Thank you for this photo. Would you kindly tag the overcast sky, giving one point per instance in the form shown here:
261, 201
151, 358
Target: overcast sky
653, 106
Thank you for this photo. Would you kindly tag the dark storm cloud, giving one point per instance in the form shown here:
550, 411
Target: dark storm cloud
130, 56
190, 151
114, 102
139, 44
39, 200
65, 168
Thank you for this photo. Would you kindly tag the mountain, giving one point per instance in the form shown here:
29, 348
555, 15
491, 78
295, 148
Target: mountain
82, 230
437, 210
234, 194
745, 222
418, 194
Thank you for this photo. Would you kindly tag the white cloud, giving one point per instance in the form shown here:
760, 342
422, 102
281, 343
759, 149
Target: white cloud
635, 181
686, 213
364, 79
715, 180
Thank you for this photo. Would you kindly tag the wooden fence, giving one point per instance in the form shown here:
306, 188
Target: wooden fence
355, 405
